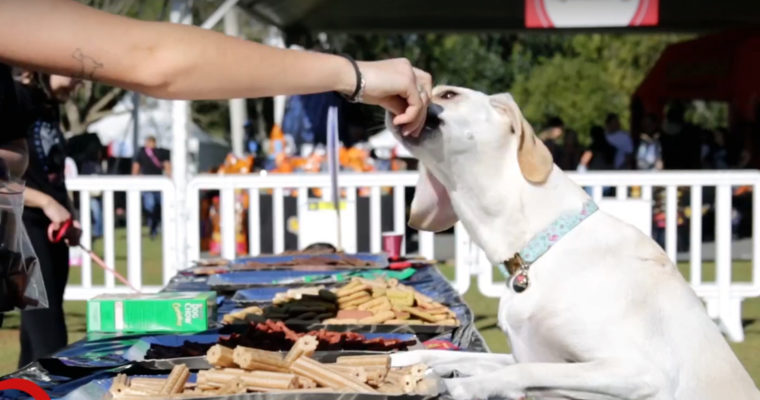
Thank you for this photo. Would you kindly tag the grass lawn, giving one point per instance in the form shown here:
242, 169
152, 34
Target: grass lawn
484, 308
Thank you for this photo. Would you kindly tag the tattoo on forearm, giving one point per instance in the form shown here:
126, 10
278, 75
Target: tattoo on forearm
88, 65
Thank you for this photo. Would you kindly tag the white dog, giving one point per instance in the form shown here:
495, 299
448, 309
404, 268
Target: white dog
597, 310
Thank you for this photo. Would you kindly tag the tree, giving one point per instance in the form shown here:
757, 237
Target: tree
588, 76
95, 100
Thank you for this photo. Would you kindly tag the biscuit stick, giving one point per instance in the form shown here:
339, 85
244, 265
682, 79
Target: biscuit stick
358, 373
119, 384
175, 383
251, 359
269, 380
305, 346
381, 360
316, 371
405, 381
220, 356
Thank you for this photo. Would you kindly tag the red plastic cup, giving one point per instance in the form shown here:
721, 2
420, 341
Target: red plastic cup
392, 244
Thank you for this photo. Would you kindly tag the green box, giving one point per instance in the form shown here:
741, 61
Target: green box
160, 312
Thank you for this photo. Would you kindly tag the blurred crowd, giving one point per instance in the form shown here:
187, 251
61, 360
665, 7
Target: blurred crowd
672, 144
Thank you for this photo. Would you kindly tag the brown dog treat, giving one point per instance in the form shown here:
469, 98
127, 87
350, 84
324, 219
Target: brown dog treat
353, 314
378, 318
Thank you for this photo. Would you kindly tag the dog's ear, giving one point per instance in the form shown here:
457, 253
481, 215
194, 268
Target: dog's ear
534, 158
431, 206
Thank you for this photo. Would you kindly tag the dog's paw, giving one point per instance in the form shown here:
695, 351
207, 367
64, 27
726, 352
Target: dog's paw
477, 388
406, 358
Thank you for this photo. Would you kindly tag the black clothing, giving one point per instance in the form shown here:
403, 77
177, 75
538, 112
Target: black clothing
152, 165
11, 128
40, 117
43, 331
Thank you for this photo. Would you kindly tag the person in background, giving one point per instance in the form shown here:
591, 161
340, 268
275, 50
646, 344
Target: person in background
598, 156
552, 136
570, 155
46, 204
151, 160
620, 140
649, 151
91, 163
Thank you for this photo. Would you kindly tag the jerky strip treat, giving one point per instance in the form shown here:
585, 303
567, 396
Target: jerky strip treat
175, 383
220, 356
316, 371
305, 346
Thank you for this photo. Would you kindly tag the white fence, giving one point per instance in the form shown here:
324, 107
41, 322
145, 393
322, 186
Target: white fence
723, 296
106, 189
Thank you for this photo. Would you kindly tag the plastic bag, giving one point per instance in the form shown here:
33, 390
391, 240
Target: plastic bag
21, 283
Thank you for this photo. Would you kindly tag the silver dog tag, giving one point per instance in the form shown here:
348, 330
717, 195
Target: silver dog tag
519, 281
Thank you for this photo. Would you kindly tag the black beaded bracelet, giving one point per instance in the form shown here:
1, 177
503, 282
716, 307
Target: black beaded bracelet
356, 96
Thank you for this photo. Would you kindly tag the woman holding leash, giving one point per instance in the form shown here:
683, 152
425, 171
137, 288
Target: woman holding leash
184, 62
46, 205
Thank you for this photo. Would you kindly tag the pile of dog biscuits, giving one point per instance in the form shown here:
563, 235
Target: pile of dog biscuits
243, 370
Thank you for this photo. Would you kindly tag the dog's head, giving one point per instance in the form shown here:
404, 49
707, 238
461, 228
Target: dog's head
467, 135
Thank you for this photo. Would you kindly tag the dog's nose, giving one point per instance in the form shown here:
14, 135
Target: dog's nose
432, 120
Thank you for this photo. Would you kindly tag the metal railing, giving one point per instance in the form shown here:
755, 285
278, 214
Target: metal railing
723, 296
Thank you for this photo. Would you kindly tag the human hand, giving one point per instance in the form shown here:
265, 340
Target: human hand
57, 213
401, 89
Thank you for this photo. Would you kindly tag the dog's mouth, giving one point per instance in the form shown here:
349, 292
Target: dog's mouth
432, 123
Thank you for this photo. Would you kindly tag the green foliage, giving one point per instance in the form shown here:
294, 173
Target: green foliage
588, 76
579, 77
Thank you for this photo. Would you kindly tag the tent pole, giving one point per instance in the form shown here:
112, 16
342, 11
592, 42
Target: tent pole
238, 114
274, 37
181, 12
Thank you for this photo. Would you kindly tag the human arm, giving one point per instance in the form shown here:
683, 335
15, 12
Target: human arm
167, 168
57, 213
135, 168
178, 61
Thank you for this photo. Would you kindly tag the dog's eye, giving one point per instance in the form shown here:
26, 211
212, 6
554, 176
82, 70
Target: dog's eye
449, 94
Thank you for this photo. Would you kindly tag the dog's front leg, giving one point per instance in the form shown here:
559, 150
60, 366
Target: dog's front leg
431, 358
625, 379
443, 362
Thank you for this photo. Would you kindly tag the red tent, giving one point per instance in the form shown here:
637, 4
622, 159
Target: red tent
718, 67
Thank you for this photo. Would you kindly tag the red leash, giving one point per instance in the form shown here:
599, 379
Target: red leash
70, 234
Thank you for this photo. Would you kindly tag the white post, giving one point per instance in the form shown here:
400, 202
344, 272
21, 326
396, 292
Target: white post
729, 320
275, 38
238, 113
181, 12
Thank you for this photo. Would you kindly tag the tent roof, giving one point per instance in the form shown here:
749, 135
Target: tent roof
471, 15
714, 67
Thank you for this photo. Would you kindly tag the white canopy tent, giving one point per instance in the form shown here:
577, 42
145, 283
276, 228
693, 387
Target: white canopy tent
155, 119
